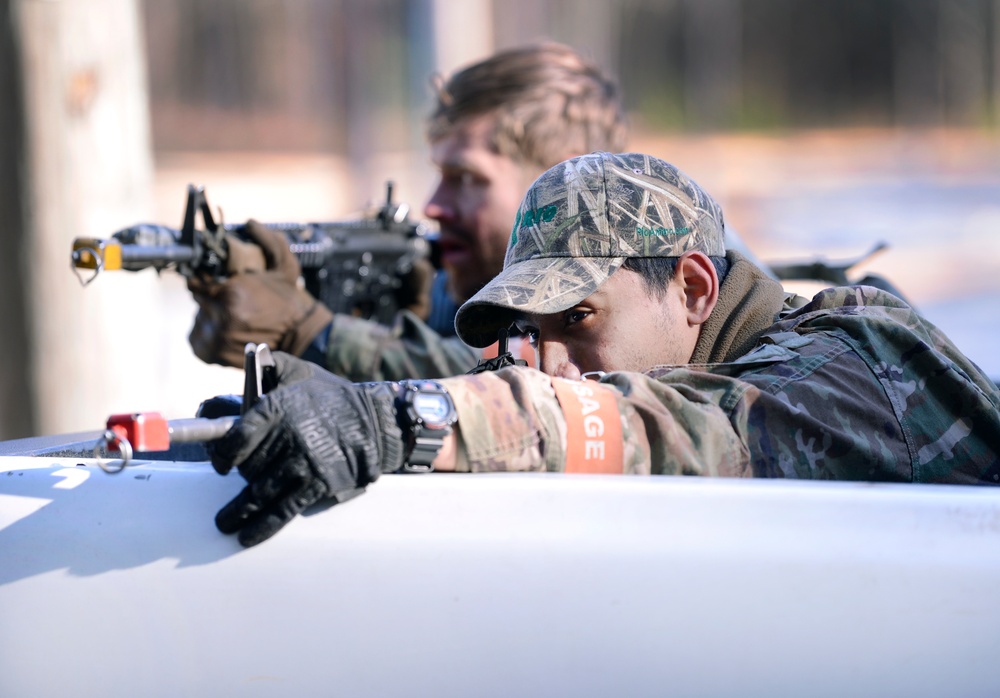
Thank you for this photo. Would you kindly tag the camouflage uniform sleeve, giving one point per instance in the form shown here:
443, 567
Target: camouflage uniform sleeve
362, 350
869, 390
511, 420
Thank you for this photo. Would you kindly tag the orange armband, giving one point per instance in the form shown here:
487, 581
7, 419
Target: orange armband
593, 427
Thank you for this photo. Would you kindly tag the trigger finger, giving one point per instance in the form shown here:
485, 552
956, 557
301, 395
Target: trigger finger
274, 243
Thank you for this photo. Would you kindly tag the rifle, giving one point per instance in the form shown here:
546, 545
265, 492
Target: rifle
353, 267
835, 273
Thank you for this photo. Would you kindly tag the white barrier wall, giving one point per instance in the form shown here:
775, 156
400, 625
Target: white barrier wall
497, 585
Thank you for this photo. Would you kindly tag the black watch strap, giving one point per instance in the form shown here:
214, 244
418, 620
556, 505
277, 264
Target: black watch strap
426, 444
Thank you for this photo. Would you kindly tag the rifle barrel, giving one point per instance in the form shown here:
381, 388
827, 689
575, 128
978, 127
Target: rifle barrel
135, 257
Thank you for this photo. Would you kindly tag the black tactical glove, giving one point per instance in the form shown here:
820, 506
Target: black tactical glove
316, 436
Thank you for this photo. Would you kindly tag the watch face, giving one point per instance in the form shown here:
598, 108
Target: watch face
432, 408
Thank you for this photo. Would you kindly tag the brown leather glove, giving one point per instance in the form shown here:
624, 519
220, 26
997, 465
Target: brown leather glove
267, 306
414, 294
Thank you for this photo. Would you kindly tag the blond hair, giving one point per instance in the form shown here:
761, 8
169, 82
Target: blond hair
551, 104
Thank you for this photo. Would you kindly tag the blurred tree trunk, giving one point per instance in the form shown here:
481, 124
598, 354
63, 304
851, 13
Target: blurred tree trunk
994, 24
75, 98
918, 82
965, 61
713, 61
17, 404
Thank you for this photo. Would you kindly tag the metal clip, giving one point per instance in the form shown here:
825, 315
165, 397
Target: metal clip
258, 374
113, 442
75, 263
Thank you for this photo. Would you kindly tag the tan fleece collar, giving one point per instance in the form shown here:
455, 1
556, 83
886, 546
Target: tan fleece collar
749, 303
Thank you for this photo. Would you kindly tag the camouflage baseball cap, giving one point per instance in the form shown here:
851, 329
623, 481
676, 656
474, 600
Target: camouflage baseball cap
577, 225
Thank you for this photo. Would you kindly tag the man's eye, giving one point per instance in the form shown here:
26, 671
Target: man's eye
458, 178
574, 316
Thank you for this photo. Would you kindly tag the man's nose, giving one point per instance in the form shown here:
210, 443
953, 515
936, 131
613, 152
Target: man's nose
554, 360
438, 207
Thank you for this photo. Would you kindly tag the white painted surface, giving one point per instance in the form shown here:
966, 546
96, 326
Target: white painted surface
497, 585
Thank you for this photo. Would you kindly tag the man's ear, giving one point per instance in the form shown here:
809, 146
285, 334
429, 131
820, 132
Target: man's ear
700, 284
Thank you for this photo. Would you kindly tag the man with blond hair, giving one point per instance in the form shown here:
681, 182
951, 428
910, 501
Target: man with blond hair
496, 125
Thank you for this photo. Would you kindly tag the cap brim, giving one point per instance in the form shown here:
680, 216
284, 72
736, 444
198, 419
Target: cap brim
539, 286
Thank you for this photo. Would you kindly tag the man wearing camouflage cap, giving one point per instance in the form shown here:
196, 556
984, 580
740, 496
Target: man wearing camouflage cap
696, 363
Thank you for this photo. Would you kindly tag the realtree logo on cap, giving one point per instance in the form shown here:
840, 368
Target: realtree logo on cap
531, 217
652, 232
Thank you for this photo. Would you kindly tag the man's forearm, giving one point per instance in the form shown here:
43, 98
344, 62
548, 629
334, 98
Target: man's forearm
516, 420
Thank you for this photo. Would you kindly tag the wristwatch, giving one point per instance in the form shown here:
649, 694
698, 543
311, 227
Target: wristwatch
426, 414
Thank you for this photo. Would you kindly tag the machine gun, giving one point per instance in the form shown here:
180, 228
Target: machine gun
355, 267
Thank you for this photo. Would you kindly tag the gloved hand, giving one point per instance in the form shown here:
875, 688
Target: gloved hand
315, 436
266, 307
414, 293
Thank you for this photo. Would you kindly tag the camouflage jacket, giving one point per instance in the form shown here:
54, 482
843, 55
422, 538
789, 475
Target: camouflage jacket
362, 350
854, 385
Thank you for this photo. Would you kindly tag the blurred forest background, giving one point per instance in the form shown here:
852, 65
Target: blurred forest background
311, 74
822, 126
